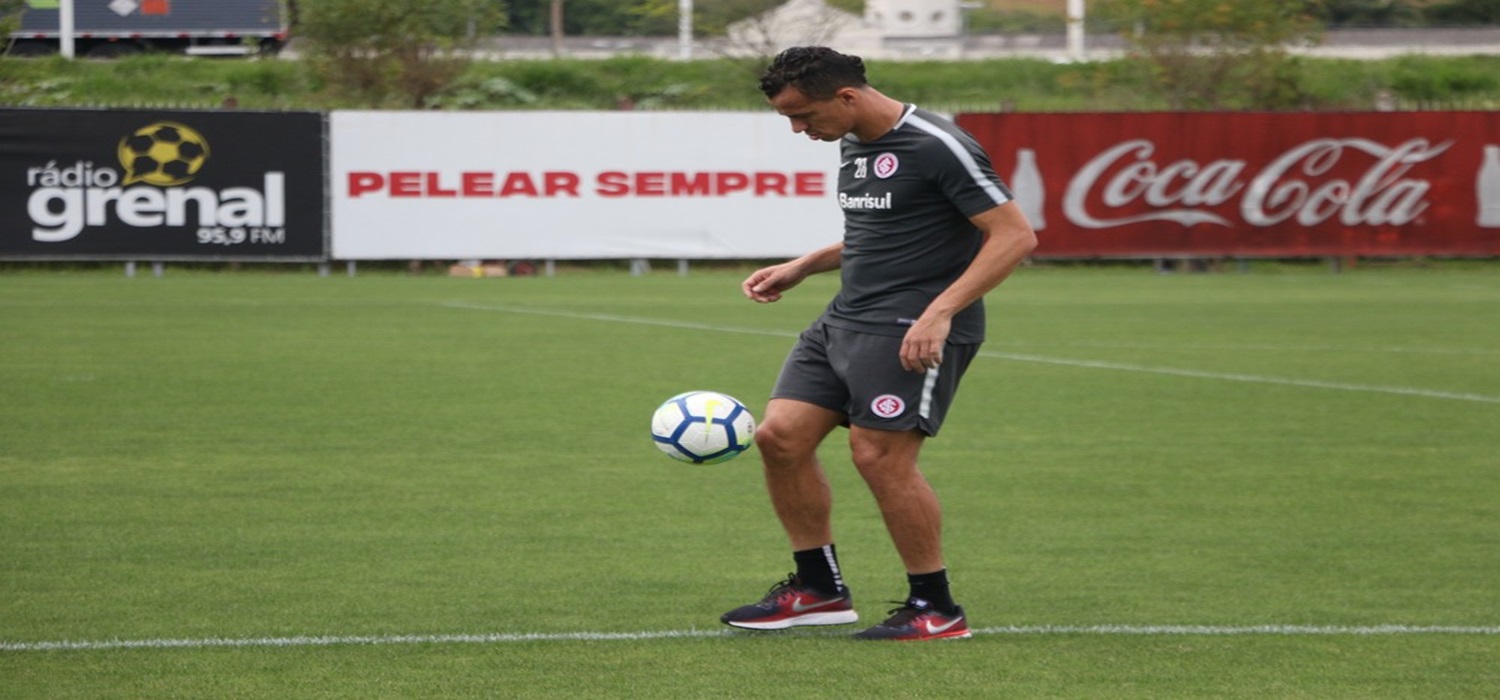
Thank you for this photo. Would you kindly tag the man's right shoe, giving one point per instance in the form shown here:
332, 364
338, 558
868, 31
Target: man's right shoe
791, 604
917, 621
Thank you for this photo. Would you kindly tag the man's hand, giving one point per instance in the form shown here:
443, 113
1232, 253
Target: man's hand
1008, 239
766, 284
922, 348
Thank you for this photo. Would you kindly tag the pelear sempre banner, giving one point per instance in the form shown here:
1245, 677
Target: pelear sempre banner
1252, 184
161, 185
573, 185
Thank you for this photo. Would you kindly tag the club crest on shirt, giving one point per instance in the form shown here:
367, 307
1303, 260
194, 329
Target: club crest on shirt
886, 165
887, 405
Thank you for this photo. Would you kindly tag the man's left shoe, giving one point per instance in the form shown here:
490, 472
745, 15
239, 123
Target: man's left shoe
916, 621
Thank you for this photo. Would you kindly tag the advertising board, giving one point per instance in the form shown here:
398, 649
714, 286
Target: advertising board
576, 185
1252, 184
161, 185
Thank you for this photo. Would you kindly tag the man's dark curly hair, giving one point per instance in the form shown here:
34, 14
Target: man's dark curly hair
816, 71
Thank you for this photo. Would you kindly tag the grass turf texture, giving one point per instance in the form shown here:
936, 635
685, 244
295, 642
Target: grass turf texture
254, 455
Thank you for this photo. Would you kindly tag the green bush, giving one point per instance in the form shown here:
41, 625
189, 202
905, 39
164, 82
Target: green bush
392, 53
1437, 82
1465, 12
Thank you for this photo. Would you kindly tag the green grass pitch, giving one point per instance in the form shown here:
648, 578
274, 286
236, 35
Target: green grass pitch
1283, 483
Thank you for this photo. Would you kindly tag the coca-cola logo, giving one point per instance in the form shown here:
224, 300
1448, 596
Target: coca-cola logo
1353, 180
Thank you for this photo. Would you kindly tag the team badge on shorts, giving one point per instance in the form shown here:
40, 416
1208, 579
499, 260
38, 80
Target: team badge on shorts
888, 405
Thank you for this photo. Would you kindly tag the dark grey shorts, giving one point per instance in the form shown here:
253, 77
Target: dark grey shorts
860, 376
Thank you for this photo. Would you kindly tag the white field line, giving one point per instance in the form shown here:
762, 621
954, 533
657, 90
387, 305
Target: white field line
1018, 357
1250, 378
615, 318
1037, 630
1264, 347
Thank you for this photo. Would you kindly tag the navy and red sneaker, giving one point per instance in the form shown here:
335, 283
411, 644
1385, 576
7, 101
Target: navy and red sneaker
917, 621
790, 604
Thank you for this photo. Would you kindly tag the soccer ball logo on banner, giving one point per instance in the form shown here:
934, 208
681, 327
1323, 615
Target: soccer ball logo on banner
164, 154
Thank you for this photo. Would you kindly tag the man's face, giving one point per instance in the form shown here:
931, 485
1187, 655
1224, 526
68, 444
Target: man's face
821, 120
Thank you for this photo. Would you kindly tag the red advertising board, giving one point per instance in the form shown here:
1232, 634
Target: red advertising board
1252, 184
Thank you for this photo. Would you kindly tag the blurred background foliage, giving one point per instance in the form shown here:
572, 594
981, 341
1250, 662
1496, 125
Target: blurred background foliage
415, 54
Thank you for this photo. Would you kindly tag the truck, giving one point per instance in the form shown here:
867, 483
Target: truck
113, 28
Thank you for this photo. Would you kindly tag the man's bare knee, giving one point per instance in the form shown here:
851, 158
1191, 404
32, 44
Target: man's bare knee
792, 430
775, 442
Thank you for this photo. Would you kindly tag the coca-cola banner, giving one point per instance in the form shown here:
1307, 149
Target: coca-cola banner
1249, 184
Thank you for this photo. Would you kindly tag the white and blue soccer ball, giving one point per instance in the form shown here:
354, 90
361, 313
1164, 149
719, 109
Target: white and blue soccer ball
703, 427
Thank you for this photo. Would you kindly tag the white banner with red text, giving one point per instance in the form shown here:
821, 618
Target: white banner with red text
578, 185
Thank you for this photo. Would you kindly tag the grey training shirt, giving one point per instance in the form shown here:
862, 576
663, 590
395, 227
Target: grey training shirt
907, 198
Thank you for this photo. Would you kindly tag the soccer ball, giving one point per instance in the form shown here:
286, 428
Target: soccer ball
703, 427
163, 154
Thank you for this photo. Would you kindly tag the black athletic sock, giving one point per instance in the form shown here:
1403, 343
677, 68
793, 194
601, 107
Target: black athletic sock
819, 569
933, 588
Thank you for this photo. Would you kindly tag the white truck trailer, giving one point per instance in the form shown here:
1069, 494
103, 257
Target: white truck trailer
110, 28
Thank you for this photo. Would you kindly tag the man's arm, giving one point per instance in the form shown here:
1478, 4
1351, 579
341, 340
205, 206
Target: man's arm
1008, 239
766, 284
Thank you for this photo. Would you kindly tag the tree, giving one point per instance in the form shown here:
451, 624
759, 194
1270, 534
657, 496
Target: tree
1365, 13
393, 51
1217, 54
587, 18
808, 22
1465, 12
10, 19
641, 17
713, 17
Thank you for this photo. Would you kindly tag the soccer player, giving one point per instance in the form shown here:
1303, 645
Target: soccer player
928, 230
